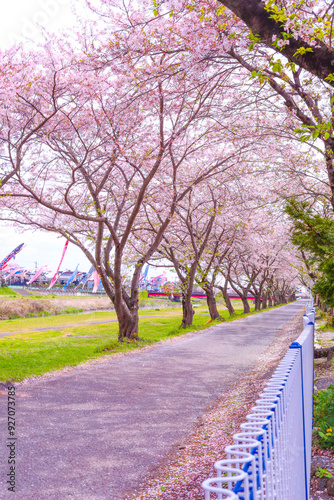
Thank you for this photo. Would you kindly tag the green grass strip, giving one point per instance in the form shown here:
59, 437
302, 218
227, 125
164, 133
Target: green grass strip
28, 354
4, 290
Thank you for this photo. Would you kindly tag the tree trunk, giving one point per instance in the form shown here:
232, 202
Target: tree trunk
264, 300
282, 299
126, 306
128, 325
270, 299
257, 302
229, 305
316, 60
245, 303
211, 301
329, 164
188, 311
276, 301
243, 294
227, 300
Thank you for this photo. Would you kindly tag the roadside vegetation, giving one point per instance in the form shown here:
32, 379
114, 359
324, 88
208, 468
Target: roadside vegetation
28, 308
324, 372
324, 417
5, 291
322, 467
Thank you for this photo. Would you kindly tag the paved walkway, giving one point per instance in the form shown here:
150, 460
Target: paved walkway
94, 433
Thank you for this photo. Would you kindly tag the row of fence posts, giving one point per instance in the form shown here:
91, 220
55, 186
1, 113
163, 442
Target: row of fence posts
271, 455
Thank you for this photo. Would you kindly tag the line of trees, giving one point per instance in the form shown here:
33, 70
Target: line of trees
136, 144
290, 50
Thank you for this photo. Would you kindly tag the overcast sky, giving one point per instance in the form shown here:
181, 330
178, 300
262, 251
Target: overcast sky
19, 17
18, 21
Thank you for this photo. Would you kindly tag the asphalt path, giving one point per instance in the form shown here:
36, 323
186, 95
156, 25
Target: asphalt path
95, 432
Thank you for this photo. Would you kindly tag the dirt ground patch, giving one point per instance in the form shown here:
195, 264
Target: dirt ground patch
26, 307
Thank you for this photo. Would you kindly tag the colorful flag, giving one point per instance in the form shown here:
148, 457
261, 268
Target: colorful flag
16, 270
96, 278
54, 279
9, 267
39, 272
162, 276
144, 276
71, 278
25, 275
12, 255
86, 277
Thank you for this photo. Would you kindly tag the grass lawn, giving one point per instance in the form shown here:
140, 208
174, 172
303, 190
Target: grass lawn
36, 353
5, 291
24, 324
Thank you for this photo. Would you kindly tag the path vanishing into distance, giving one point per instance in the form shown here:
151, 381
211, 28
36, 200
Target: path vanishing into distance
95, 432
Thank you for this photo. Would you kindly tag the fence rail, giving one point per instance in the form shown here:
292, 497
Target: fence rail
271, 455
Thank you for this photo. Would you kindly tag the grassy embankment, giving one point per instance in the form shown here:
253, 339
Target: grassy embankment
72, 341
13, 305
5, 291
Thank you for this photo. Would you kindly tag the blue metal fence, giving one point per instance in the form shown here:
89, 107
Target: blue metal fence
271, 455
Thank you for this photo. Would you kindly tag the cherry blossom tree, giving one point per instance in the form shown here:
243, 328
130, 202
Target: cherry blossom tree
188, 238
303, 100
126, 148
208, 270
204, 226
108, 141
307, 98
301, 31
273, 261
30, 97
292, 29
261, 259
279, 86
